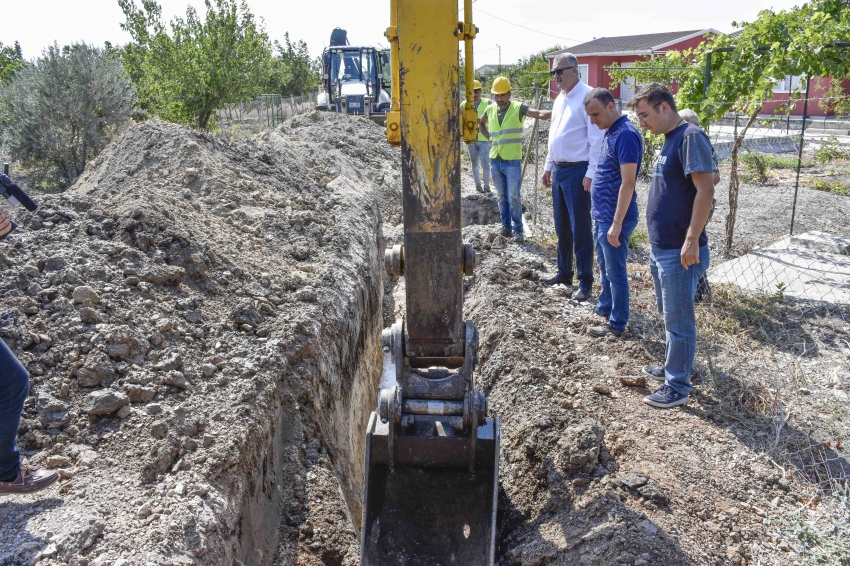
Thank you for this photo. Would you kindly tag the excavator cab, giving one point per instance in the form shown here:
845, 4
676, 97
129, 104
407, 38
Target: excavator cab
432, 453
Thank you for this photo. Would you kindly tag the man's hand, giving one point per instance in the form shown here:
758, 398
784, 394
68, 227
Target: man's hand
547, 178
690, 252
5, 222
586, 182
614, 234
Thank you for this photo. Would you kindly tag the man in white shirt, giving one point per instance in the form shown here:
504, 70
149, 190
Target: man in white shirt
574, 145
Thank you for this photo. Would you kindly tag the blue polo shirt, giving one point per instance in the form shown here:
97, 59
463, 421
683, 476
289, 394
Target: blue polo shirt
622, 144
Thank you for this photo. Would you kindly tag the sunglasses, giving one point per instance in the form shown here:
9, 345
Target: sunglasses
557, 72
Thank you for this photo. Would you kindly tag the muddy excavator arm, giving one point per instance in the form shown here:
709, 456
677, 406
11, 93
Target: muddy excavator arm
431, 452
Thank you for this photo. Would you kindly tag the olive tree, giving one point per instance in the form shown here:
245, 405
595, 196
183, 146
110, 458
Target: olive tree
204, 63
11, 60
745, 68
60, 111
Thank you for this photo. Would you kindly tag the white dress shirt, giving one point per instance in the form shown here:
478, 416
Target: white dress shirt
571, 135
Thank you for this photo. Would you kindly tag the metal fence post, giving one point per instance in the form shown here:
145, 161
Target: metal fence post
800, 154
536, 142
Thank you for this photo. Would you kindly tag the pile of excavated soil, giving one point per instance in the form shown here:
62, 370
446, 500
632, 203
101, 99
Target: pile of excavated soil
201, 321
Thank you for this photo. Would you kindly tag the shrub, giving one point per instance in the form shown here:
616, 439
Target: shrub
828, 186
831, 150
638, 237
754, 168
780, 162
61, 111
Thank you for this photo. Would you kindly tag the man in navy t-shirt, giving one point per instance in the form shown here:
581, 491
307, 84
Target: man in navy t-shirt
614, 207
676, 214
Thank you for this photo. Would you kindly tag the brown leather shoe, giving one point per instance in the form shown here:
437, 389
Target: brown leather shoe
29, 481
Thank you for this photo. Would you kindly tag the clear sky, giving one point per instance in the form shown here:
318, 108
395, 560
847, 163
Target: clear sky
37, 23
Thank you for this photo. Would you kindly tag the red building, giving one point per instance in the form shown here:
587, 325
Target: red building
594, 55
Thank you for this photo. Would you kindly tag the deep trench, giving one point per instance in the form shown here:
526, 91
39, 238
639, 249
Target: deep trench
262, 508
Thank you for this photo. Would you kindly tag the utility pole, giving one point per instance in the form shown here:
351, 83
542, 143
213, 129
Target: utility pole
500, 58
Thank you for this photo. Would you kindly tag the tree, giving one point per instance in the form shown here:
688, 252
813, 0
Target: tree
202, 65
529, 73
835, 97
59, 112
11, 60
292, 71
745, 68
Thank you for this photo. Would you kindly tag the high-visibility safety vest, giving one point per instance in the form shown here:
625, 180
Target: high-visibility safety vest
482, 108
505, 138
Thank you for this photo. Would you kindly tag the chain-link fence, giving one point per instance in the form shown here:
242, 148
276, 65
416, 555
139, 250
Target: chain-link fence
774, 321
262, 113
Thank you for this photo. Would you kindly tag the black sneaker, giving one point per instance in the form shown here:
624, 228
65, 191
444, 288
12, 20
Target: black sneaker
581, 295
655, 372
665, 397
518, 237
603, 331
29, 481
506, 232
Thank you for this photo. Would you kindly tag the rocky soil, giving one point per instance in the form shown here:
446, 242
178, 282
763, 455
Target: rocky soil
201, 320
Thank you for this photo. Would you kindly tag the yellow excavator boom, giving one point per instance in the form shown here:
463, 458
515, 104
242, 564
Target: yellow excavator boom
432, 455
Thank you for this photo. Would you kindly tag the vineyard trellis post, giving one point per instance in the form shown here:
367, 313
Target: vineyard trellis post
800, 154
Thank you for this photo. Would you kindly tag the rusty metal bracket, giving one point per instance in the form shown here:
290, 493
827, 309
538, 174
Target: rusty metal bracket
394, 261
469, 260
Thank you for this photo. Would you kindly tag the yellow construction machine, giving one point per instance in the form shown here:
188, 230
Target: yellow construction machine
432, 455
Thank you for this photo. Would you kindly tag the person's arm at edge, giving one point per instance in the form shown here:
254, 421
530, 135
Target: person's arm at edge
5, 221
628, 172
539, 114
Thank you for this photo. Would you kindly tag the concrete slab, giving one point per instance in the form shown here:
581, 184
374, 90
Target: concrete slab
806, 272
823, 242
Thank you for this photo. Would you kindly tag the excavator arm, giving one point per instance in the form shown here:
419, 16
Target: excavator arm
431, 452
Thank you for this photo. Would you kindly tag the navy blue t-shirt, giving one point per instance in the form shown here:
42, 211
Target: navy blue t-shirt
622, 144
670, 203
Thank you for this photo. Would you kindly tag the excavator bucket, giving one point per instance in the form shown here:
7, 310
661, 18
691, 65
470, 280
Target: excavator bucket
423, 515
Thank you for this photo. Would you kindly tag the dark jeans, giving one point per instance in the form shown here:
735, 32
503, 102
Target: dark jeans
613, 301
14, 388
572, 224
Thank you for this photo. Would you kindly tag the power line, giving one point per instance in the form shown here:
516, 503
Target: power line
528, 28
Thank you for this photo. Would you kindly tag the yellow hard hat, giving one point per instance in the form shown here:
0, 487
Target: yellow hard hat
501, 85
476, 85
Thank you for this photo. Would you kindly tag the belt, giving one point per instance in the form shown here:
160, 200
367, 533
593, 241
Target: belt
504, 160
564, 164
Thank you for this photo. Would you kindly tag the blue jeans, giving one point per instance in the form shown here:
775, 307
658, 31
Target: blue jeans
14, 388
675, 288
506, 179
572, 224
613, 301
480, 152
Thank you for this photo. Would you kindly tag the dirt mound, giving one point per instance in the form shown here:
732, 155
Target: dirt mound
201, 321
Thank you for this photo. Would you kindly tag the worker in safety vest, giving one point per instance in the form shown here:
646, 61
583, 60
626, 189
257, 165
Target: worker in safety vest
502, 125
479, 151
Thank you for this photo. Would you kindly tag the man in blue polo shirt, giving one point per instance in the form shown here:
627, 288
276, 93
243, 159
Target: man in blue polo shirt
614, 207
676, 213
